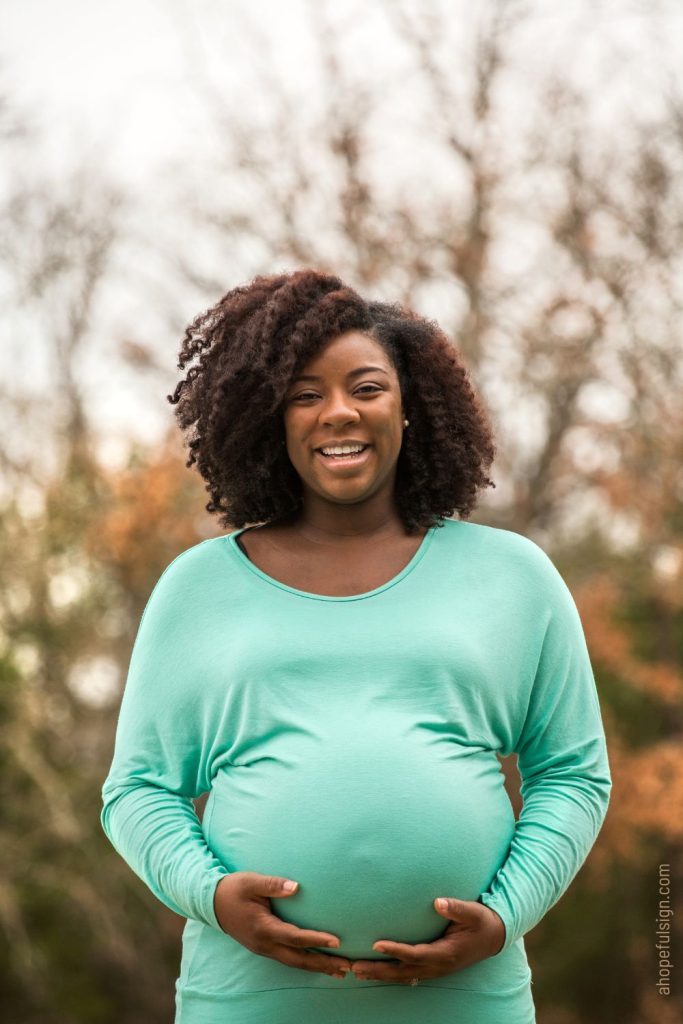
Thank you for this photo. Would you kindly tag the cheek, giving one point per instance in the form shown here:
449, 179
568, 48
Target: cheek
294, 430
297, 419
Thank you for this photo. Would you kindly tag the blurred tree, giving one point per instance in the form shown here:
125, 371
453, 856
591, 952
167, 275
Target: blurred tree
551, 248
558, 250
66, 921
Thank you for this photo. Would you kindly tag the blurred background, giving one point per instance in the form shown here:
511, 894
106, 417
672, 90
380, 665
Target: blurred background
511, 169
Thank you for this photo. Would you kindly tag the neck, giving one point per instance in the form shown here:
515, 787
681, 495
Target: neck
321, 520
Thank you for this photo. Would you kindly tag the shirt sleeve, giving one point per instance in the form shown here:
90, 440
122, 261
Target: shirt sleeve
563, 765
160, 763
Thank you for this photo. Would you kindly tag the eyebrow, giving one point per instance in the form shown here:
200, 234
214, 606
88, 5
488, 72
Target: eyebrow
352, 373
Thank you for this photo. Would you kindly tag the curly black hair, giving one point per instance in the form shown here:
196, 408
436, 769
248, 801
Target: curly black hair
251, 344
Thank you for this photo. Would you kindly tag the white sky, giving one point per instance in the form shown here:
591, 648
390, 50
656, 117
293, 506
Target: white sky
114, 73
113, 78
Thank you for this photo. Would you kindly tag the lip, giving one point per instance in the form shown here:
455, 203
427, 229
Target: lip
341, 444
344, 462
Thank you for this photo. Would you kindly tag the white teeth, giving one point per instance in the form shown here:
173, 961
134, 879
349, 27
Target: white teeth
346, 450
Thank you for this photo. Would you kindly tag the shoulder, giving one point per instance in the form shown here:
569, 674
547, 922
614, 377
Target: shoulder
494, 538
193, 558
510, 556
186, 576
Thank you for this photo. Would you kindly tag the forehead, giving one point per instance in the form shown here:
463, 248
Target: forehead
347, 352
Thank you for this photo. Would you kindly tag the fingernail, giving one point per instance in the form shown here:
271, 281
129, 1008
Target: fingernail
442, 904
290, 886
333, 942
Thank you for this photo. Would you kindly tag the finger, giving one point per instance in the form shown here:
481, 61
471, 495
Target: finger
253, 884
464, 911
404, 951
289, 935
422, 953
317, 963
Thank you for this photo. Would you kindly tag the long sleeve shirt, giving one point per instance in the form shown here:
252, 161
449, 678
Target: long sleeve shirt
349, 743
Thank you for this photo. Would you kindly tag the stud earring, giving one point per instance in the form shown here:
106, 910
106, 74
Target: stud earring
405, 423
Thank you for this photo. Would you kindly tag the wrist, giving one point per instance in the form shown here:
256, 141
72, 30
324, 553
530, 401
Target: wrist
499, 931
216, 900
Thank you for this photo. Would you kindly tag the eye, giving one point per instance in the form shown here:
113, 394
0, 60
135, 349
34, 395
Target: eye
307, 395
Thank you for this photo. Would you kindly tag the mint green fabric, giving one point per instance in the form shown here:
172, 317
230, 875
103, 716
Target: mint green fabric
349, 743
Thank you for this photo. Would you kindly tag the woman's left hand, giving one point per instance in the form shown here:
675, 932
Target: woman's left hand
477, 932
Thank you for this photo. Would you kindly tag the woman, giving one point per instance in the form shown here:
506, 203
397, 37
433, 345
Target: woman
340, 678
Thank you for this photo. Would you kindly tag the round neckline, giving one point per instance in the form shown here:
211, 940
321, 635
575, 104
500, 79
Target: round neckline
405, 571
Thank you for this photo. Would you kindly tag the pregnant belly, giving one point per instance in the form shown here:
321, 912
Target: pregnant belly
372, 833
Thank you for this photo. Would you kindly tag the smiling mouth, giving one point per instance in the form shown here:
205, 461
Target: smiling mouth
333, 461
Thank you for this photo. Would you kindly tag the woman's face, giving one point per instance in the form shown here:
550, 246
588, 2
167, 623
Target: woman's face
348, 392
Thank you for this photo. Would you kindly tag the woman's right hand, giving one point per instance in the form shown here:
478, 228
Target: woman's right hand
242, 905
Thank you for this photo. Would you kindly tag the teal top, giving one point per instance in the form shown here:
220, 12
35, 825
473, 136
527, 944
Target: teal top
350, 743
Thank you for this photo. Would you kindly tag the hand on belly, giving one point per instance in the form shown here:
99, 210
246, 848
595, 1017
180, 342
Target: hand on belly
476, 932
369, 863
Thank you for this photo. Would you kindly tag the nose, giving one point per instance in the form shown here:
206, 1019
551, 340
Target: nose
338, 410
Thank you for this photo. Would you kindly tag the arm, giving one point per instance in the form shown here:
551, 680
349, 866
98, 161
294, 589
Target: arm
566, 783
159, 761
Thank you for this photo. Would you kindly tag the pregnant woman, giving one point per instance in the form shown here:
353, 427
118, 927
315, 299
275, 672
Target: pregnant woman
339, 673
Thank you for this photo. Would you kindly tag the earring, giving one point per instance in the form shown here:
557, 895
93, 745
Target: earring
405, 423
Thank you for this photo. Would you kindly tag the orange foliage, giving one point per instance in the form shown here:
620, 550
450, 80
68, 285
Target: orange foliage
647, 794
610, 645
154, 513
